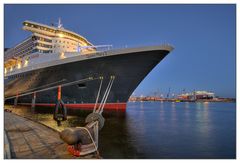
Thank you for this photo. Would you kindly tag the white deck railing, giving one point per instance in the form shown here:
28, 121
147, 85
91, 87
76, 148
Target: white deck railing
33, 60
38, 58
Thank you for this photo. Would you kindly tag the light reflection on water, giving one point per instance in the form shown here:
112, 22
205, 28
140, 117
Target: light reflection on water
161, 130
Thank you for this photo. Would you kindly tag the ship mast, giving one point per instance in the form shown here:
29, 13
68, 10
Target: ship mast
60, 25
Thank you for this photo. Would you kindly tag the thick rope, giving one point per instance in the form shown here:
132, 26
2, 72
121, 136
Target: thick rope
90, 135
99, 90
101, 109
104, 96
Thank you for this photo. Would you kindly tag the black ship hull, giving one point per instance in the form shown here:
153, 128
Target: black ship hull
129, 70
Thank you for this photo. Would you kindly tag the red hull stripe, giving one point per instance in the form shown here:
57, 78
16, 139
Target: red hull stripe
110, 106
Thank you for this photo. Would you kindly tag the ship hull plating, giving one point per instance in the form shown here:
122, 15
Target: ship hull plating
129, 70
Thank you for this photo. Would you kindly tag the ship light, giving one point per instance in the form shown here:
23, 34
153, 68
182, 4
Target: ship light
62, 56
26, 63
19, 65
5, 70
11, 68
60, 35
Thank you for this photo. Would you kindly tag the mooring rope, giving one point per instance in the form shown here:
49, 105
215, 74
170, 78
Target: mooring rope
104, 96
105, 100
99, 90
96, 123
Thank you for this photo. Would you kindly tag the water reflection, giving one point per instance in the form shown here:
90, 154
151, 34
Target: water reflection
186, 112
159, 130
186, 105
198, 105
173, 105
203, 122
162, 113
205, 105
173, 112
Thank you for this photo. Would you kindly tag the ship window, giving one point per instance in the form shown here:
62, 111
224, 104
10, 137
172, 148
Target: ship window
82, 85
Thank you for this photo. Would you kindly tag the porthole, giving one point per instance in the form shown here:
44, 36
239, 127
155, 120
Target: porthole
81, 85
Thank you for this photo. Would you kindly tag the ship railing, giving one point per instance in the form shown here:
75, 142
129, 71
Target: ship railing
84, 52
38, 58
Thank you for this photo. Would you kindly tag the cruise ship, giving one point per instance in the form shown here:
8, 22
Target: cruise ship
53, 57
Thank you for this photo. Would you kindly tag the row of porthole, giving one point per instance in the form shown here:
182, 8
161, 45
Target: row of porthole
29, 74
20, 75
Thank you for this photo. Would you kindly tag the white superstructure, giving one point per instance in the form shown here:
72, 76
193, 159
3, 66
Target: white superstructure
44, 39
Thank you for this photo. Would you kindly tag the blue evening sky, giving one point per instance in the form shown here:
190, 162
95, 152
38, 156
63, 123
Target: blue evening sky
204, 37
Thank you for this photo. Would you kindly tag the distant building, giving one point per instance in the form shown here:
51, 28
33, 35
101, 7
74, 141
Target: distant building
196, 95
185, 96
204, 95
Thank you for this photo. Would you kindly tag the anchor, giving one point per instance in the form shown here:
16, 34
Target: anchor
60, 111
84, 140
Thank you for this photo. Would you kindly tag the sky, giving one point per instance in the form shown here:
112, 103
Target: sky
203, 36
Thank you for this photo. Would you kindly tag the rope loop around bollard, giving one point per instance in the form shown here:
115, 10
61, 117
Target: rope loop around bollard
95, 117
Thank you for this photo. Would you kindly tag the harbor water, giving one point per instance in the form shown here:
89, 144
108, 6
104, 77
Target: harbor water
158, 130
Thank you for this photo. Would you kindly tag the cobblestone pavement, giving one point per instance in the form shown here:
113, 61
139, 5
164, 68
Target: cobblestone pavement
31, 140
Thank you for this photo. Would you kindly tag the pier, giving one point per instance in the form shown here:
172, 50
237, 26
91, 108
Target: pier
26, 139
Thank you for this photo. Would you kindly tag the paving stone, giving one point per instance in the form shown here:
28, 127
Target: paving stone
31, 140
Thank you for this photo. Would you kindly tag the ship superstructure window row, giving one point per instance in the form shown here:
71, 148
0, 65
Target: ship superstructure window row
41, 39
44, 39
43, 45
55, 31
41, 51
